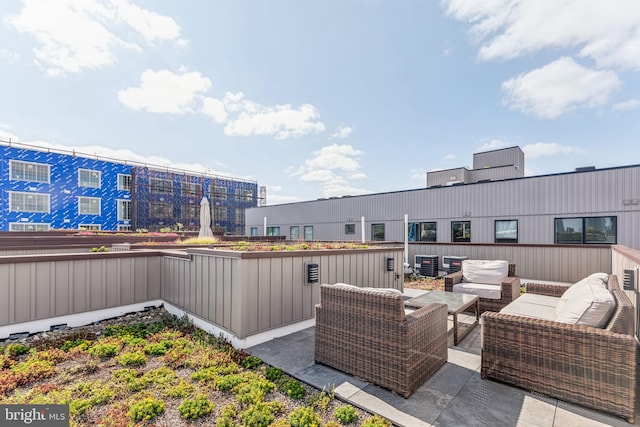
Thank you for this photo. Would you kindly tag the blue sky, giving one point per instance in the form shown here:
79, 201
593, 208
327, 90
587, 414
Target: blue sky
325, 98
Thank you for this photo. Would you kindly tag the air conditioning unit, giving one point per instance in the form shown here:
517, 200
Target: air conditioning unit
452, 264
427, 265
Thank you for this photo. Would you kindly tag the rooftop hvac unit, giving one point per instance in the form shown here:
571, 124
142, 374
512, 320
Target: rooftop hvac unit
427, 265
452, 264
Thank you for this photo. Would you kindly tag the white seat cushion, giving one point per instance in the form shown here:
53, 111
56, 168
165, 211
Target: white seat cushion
543, 300
481, 271
483, 290
579, 287
589, 303
532, 307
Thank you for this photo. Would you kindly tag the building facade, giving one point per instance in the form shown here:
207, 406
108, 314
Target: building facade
586, 207
42, 189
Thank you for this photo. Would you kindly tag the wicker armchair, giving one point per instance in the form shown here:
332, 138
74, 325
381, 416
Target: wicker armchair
364, 332
509, 292
576, 363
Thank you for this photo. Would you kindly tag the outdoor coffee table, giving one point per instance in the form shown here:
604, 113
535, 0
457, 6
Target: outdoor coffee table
456, 304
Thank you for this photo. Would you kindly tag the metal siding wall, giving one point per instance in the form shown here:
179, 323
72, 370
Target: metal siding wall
535, 202
40, 290
558, 264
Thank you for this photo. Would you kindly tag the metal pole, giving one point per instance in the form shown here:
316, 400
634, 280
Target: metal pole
406, 239
265, 226
362, 223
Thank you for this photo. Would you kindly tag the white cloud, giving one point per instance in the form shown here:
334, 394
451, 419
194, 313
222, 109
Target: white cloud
277, 199
333, 166
214, 108
546, 149
165, 92
559, 87
449, 157
185, 92
418, 175
282, 121
629, 105
6, 135
341, 133
494, 144
607, 32
9, 57
152, 26
74, 35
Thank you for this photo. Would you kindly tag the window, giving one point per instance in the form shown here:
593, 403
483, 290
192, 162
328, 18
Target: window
239, 194
254, 231
89, 205
28, 226
248, 196
590, 230
89, 227
506, 231
124, 227
190, 210
240, 216
377, 232
88, 178
160, 210
28, 202
422, 231
190, 189
461, 231
124, 210
219, 193
273, 231
160, 186
308, 232
294, 232
28, 171
220, 213
124, 182
349, 229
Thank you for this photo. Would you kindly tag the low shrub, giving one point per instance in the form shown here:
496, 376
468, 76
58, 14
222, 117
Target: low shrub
304, 417
261, 414
132, 358
157, 349
182, 389
251, 362
320, 400
273, 374
145, 410
14, 350
227, 416
195, 408
346, 414
105, 350
376, 421
294, 389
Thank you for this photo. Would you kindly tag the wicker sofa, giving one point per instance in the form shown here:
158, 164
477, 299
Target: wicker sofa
364, 332
501, 287
593, 367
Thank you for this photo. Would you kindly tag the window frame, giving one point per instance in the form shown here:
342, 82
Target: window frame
418, 228
375, 235
124, 227
12, 195
350, 228
273, 231
253, 231
121, 182
220, 192
90, 227
44, 226
160, 210
190, 189
120, 209
583, 240
463, 239
497, 239
13, 162
87, 198
306, 228
89, 183
297, 234
160, 186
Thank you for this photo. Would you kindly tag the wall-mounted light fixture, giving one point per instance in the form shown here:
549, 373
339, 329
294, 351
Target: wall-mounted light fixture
312, 273
390, 264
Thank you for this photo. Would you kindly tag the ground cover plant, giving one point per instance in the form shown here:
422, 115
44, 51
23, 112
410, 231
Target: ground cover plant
163, 372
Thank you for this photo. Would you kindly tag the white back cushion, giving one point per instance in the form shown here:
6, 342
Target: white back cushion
589, 303
481, 271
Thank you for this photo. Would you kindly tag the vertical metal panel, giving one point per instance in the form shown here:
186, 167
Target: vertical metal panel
276, 272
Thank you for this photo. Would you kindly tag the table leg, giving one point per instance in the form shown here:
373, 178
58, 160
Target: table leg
455, 329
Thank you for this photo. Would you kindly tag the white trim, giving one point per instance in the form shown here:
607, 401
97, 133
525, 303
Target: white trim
89, 184
121, 188
26, 224
247, 342
90, 227
24, 162
89, 198
73, 320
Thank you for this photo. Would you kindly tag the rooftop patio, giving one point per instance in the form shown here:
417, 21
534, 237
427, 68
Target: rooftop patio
454, 396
